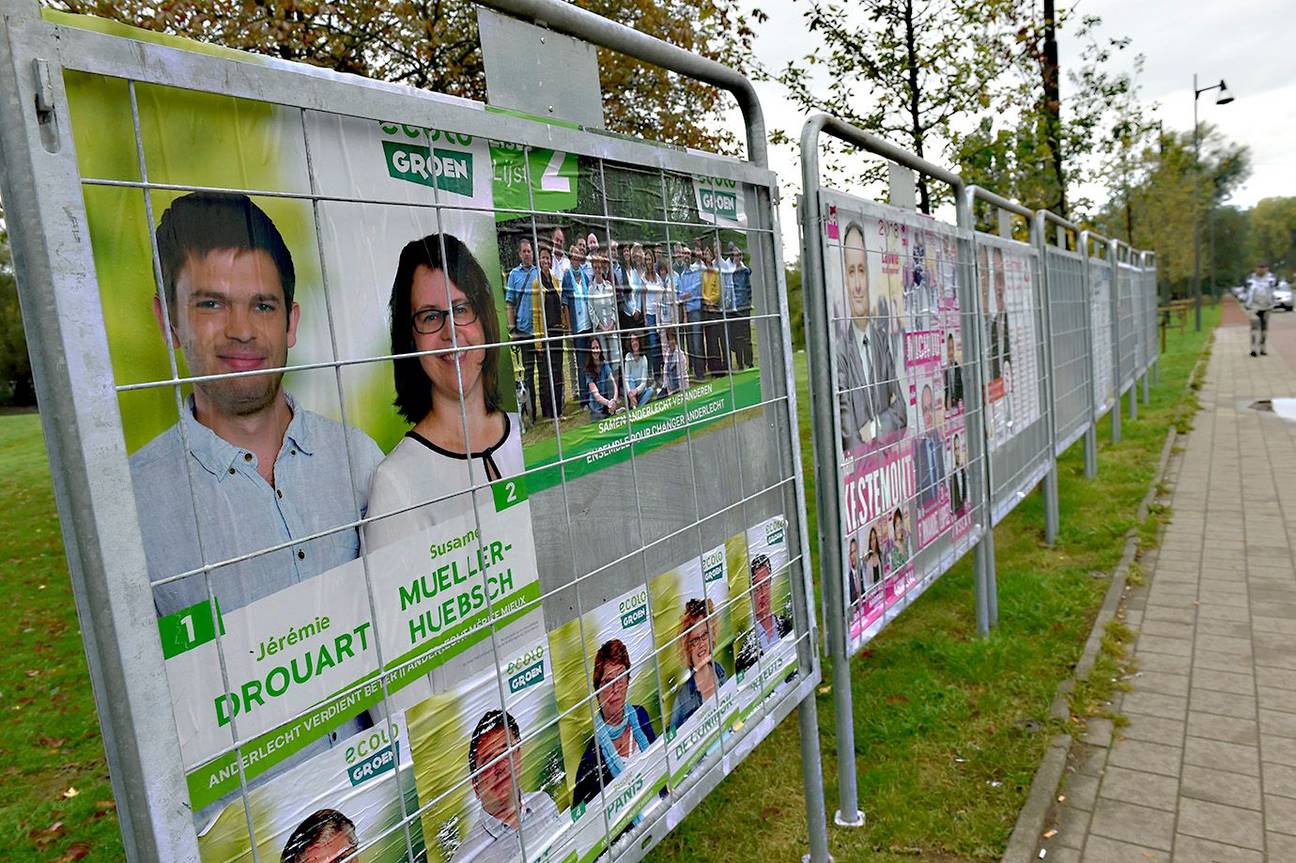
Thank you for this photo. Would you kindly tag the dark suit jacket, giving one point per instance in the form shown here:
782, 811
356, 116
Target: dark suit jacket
875, 396
953, 386
1000, 344
958, 488
931, 466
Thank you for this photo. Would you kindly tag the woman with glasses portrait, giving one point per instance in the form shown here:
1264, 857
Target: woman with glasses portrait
445, 335
697, 636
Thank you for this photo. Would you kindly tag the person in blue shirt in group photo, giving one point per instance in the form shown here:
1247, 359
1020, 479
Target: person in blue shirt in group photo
576, 297
519, 296
738, 306
688, 284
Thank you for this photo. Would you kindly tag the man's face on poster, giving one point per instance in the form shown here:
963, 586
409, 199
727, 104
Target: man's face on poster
494, 783
854, 553
857, 284
927, 411
230, 316
949, 350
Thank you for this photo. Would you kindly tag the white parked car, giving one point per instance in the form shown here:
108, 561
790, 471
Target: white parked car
1283, 296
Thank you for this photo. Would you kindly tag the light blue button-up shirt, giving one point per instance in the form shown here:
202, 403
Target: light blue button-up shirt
239, 512
517, 293
575, 292
690, 289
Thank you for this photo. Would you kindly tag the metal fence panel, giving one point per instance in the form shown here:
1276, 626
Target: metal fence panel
901, 343
1098, 272
895, 382
1071, 345
1017, 425
357, 612
1127, 320
1150, 303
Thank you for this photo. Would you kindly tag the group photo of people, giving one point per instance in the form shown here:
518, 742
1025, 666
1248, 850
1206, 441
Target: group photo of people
601, 324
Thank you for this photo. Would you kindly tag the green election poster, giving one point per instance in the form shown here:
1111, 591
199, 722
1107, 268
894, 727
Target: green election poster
483, 764
355, 795
606, 684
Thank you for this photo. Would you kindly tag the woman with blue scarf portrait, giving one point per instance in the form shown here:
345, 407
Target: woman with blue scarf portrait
621, 730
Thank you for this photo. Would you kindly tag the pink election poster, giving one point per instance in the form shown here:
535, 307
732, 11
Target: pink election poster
897, 348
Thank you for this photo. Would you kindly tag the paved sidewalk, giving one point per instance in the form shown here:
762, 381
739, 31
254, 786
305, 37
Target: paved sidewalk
1206, 768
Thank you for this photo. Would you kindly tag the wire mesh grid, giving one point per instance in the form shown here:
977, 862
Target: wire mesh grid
909, 457
1148, 278
1016, 396
657, 495
1069, 312
1098, 273
1127, 323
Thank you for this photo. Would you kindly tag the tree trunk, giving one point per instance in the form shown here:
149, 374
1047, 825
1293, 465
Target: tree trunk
1053, 105
915, 118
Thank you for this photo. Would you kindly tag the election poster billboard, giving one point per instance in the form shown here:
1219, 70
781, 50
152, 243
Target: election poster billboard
1099, 274
897, 341
1012, 394
360, 366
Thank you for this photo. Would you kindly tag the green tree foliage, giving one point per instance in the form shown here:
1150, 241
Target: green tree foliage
1273, 234
433, 45
904, 69
1167, 194
1227, 245
1038, 147
15, 367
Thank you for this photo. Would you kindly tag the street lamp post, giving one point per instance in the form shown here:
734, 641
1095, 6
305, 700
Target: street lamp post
1223, 98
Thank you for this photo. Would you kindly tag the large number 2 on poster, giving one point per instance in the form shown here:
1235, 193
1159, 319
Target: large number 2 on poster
552, 180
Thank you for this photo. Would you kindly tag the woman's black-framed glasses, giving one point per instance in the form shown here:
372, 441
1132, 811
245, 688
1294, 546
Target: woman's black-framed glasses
429, 321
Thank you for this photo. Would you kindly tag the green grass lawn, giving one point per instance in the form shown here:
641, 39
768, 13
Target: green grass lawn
55, 801
943, 758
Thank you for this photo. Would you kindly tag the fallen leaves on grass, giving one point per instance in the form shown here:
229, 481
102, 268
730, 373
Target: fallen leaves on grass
76, 851
43, 837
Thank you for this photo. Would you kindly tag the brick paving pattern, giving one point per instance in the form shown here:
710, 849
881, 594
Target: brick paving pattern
1206, 768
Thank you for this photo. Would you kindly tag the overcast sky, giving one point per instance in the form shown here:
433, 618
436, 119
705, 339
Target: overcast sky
1249, 43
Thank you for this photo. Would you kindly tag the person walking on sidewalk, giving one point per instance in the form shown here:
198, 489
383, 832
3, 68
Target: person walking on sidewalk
1259, 301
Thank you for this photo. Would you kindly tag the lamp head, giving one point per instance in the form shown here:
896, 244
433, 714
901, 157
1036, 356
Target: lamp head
1224, 96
